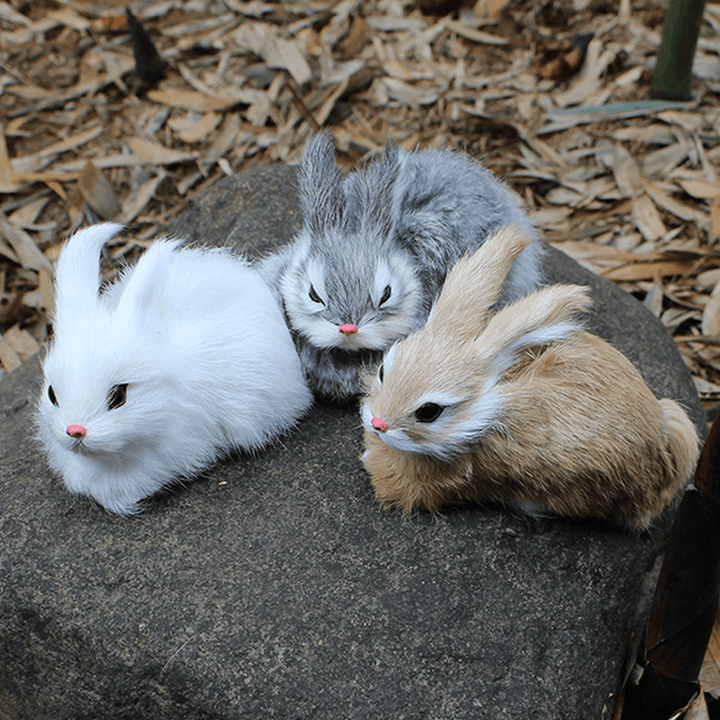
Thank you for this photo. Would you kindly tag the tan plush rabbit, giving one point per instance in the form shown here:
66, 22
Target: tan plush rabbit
521, 406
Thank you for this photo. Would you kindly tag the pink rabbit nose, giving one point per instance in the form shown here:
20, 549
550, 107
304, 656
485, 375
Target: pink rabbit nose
379, 424
76, 431
348, 329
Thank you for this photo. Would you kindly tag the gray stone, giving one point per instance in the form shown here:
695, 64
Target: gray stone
273, 587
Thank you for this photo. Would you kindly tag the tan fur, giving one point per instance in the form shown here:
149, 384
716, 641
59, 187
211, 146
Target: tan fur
577, 433
477, 281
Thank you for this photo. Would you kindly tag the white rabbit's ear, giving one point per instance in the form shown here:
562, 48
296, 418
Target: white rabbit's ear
321, 192
542, 318
145, 284
77, 274
474, 283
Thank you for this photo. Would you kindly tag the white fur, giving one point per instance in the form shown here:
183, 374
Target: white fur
200, 342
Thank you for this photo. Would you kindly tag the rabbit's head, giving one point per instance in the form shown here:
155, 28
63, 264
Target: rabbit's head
106, 403
348, 286
439, 391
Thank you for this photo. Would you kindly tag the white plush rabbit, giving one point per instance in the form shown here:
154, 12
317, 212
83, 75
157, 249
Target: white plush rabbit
522, 406
186, 357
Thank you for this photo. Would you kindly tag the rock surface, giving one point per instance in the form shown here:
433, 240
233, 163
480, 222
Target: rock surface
273, 587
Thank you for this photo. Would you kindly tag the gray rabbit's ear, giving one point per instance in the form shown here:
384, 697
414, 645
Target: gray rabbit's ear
77, 274
321, 193
371, 193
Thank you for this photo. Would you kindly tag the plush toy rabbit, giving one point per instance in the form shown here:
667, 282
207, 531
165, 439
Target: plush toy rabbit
522, 406
375, 248
184, 358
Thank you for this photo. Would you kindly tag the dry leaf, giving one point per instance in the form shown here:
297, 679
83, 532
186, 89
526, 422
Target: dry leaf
192, 130
654, 299
471, 33
701, 189
647, 218
98, 192
626, 172
24, 246
192, 100
158, 154
710, 325
645, 271
8, 181
22, 342
8, 357
715, 217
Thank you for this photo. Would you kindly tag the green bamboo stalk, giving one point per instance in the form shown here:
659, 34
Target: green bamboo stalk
673, 72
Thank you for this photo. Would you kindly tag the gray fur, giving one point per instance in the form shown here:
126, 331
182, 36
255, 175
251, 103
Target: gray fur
400, 222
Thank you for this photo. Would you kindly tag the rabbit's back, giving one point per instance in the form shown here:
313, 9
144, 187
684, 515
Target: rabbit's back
585, 436
229, 345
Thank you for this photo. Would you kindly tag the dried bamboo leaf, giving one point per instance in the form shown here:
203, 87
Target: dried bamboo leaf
681, 210
24, 246
26, 215
662, 162
470, 33
654, 299
710, 325
45, 288
701, 189
22, 342
69, 18
98, 192
192, 100
645, 271
158, 154
8, 357
135, 204
627, 173
9, 14
647, 218
31, 163
192, 130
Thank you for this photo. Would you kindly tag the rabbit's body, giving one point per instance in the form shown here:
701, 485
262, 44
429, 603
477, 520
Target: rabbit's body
523, 407
375, 249
185, 358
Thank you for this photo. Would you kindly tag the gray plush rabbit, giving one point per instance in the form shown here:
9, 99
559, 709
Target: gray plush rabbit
375, 248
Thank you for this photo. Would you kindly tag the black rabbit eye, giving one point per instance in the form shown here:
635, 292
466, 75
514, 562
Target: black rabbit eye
314, 296
117, 396
52, 396
387, 292
381, 372
429, 412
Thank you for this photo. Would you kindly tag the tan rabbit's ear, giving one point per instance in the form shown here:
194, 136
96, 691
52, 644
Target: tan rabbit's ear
543, 317
473, 285
77, 274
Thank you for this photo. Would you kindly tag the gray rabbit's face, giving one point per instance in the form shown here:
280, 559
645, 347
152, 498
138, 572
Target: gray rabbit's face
352, 300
